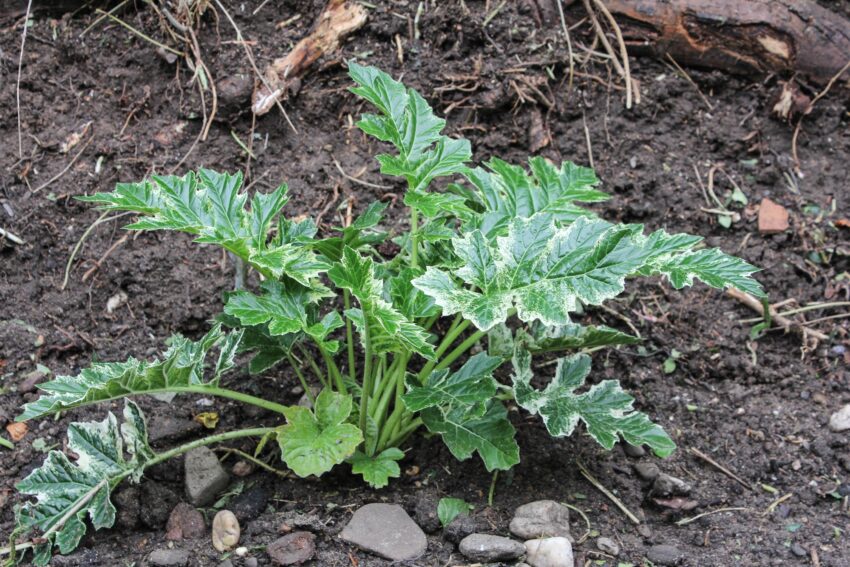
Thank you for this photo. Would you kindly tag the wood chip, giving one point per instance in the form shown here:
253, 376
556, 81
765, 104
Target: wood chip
17, 430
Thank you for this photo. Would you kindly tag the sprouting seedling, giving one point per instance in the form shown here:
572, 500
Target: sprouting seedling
499, 261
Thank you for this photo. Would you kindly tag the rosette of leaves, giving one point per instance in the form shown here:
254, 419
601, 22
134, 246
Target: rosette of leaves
496, 258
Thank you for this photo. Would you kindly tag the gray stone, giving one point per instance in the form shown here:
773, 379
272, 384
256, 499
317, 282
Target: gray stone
128, 507
250, 562
666, 486
463, 526
540, 519
169, 429
647, 471
169, 558
425, 512
292, 549
204, 475
387, 531
840, 420
487, 548
549, 552
634, 451
666, 555
608, 545
185, 522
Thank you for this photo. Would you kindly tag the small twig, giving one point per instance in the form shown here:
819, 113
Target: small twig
100, 220
11, 237
624, 53
786, 324
242, 145
355, 180
776, 503
566, 31
138, 33
494, 13
256, 461
720, 467
18, 85
634, 519
818, 96
587, 141
687, 521
67, 167
103, 17
690, 80
578, 510
106, 254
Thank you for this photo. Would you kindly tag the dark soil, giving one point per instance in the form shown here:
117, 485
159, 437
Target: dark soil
758, 407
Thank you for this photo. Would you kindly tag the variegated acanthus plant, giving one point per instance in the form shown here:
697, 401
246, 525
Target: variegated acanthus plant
493, 263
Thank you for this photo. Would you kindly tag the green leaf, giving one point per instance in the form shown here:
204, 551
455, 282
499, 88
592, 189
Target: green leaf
491, 434
508, 192
313, 443
388, 328
411, 302
297, 262
450, 508
73, 491
182, 365
435, 204
287, 307
605, 408
673, 255
378, 469
469, 387
541, 271
552, 338
407, 122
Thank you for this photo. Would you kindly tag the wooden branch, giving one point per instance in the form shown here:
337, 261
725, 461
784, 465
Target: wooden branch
739, 36
337, 20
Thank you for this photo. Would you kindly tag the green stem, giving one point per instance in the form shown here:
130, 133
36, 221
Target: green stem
223, 393
458, 326
367, 372
307, 391
460, 349
349, 337
492, 488
414, 237
315, 367
405, 432
394, 374
333, 369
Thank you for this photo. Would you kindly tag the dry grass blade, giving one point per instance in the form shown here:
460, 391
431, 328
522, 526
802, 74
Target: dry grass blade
610, 495
18, 84
721, 468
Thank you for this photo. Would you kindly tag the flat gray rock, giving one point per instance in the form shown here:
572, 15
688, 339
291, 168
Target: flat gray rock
205, 477
169, 558
666, 555
292, 549
543, 518
549, 552
487, 548
840, 420
387, 531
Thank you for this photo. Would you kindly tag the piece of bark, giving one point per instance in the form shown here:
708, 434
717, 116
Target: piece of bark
337, 20
738, 36
773, 218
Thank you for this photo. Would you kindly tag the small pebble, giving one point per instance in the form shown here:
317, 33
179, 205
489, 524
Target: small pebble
634, 451
487, 548
798, 550
608, 545
840, 420
549, 552
647, 471
225, 531
666, 555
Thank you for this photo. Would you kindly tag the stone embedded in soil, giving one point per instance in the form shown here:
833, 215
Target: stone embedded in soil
128, 507
169, 558
292, 549
549, 552
168, 429
840, 420
225, 531
608, 545
773, 218
487, 548
540, 519
185, 522
666, 486
666, 555
425, 511
204, 476
387, 531
634, 451
250, 503
463, 526
156, 503
647, 471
